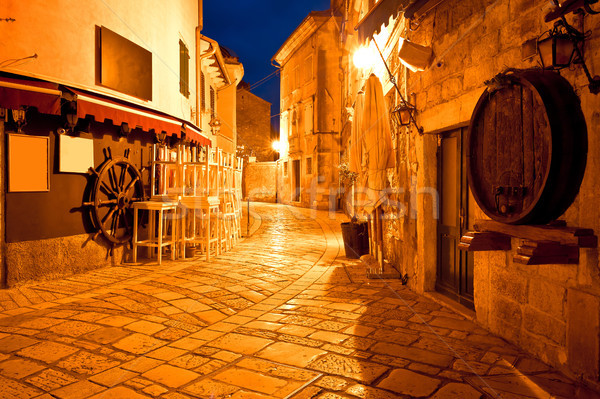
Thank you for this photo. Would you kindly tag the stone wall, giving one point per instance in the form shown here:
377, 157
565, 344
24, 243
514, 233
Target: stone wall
59, 257
2, 200
551, 311
311, 123
47, 235
260, 181
253, 126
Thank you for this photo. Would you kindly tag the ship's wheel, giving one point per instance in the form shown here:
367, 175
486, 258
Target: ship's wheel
117, 185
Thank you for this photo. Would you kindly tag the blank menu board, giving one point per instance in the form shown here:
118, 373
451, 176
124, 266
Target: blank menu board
28, 163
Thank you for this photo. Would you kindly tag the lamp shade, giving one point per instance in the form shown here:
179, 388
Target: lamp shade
556, 51
402, 114
414, 56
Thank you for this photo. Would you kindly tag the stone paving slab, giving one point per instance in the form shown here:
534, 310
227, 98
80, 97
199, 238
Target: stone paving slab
282, 315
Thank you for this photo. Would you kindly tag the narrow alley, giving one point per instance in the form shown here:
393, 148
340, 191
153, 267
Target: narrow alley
284, 314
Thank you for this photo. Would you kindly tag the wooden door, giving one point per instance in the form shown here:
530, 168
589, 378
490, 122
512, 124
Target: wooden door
296, 180
455, 267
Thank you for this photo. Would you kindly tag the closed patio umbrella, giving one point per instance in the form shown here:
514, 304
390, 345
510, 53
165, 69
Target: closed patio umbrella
357, 153
377, 151
356, 136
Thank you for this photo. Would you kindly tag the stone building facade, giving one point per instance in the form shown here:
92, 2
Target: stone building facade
254, 132
260, 182
550, 310
227, 103
310, 121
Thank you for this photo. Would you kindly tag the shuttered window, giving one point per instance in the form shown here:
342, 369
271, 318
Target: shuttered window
184, 69
202, 91
308, 117
212, 102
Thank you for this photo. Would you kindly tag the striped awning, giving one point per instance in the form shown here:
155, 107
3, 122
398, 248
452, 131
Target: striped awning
16, 93
379, 16
103, 108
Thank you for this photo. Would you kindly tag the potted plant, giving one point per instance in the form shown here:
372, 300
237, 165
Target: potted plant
354, 233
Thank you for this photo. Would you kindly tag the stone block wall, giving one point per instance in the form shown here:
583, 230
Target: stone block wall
2, 200
260, 181
253, 126
59, 257
552, 311
50, 234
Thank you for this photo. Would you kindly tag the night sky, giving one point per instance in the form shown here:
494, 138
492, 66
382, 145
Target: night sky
254, 30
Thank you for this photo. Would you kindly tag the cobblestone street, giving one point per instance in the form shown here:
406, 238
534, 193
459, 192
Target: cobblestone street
283, 314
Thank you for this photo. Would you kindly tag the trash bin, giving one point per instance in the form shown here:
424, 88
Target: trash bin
356, 239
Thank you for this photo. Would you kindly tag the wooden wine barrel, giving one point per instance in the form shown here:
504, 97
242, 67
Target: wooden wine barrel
527, 147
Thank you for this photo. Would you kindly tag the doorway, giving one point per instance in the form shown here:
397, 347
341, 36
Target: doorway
455, 267
296, 180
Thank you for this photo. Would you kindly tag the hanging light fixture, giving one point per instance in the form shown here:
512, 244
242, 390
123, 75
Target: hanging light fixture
215, 124
562, 46
403, 113
556, 47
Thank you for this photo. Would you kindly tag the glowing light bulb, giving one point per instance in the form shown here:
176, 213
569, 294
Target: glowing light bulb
364, 58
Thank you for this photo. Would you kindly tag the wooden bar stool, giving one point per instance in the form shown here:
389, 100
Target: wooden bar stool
201, 223
155, 238
200, 203
227, 221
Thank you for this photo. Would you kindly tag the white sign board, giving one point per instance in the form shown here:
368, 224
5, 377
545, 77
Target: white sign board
76, 154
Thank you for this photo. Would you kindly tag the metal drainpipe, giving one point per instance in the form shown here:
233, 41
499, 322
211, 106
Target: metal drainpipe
343, 86
199, 59
200, 15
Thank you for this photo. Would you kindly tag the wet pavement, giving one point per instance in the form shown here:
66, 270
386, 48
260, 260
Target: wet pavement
283, 314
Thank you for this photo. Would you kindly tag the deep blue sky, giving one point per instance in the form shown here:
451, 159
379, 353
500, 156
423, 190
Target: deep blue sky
254, 30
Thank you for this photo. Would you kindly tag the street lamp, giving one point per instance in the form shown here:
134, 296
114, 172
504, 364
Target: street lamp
215, 124
403, 113
563, 47
364, 57
276, 146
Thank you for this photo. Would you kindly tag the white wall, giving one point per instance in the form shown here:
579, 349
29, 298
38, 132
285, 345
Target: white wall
62, 34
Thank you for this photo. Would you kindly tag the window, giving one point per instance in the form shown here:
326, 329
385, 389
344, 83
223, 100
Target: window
309, 166
285, 127
308, 69
284, 83
202, 91
308, 117
294, 121
213, 111
184, 70
295, 79
285, 168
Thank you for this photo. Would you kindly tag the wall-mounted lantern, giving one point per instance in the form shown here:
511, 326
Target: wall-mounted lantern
562, 46
69, 111
215, 124
403, 114
124, 130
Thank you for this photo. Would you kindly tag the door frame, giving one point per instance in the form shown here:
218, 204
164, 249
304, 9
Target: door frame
296, 188
462, 289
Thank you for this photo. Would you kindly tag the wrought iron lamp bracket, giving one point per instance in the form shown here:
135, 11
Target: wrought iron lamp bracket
403, 102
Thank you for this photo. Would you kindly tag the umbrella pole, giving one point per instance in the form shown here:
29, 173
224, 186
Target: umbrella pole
379, 232
377, 248
372, 235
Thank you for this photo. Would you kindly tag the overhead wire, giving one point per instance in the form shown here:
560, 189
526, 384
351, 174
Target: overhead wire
264, 80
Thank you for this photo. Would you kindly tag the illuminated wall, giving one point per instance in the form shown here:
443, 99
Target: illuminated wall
62, 36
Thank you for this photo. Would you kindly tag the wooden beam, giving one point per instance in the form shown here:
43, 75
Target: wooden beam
566, 7
579, 237
545, 253
484, 241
